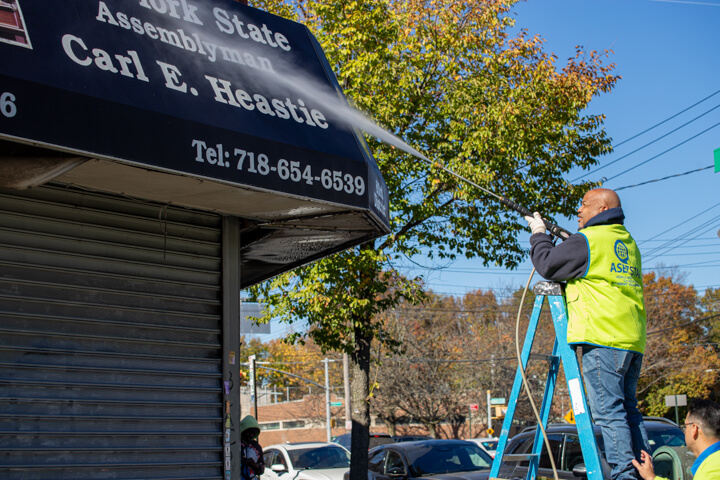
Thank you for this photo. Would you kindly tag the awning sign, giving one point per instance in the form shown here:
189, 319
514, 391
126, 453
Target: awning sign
210, 88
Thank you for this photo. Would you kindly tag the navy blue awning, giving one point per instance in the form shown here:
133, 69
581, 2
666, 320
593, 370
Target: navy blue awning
206, 103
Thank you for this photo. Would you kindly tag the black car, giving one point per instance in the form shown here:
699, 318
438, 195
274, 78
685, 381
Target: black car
429, 459
567, 453
410, 438
375, 439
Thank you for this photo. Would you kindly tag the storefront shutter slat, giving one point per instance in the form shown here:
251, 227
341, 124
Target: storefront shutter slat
110, 338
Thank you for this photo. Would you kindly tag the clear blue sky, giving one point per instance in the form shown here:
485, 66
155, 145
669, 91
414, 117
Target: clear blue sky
668, 54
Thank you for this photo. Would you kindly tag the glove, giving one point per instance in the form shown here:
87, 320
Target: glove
536, 223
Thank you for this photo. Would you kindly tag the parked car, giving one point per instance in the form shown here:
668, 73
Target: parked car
305, 461
489, 444
375, 440
429, 459
567, 453
410, 438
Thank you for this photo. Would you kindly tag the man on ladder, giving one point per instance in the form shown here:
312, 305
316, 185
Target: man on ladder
606, 318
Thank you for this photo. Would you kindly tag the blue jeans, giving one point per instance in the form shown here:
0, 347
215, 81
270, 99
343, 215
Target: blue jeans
611, 378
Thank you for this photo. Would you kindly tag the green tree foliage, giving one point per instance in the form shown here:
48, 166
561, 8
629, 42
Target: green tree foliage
449, 78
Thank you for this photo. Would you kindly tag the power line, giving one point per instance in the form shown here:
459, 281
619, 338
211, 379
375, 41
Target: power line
667, 119
679, 224
693, 254
705, 227
705, 245
691, 322
710, 263
662, 153
664, 178
654, 239
647, 144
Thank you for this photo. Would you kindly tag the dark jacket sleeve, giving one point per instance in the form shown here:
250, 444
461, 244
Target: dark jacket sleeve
561, 262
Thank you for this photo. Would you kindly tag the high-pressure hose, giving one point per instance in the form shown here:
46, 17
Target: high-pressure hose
558, 232
526, 385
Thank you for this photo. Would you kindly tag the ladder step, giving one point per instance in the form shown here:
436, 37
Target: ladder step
517, 457
544, 356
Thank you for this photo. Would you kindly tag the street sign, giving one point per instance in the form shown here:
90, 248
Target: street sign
497, 401
474, 406
675, 400
717, 160
336, 404
249, 312
490, 431
570, 417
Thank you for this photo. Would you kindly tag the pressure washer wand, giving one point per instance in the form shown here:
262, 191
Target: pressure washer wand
556, 230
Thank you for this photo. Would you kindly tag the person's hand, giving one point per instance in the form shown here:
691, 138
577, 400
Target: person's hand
536, 223
645, 466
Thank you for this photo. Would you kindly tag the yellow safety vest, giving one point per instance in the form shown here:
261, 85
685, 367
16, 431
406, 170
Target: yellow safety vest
606, 306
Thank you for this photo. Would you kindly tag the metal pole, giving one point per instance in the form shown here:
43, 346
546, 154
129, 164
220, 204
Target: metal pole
253, 379
470, 435
346, 386
489, 425
327, 399
231, 344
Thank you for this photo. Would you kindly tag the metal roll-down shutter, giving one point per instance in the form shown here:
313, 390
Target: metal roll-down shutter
110, 338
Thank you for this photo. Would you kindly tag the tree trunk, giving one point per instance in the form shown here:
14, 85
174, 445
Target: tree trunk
360, 390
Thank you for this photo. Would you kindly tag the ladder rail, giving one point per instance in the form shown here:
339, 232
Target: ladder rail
517, 385
561, 352
550, 382
576, 390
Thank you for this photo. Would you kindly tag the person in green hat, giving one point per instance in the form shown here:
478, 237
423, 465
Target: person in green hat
250, 449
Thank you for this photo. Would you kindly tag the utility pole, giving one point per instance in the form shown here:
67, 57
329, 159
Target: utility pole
489, 412
346, 387
470, 432
327, 399
253, 384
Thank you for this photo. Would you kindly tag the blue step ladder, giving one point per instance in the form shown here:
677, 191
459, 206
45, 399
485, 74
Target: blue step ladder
553, 291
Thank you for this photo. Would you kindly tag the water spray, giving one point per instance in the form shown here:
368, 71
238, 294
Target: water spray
337, 108
365, 124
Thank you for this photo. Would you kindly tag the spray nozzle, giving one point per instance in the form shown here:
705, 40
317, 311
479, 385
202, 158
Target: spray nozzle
559, 232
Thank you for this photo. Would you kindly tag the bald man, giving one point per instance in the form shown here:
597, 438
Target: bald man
606, 318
